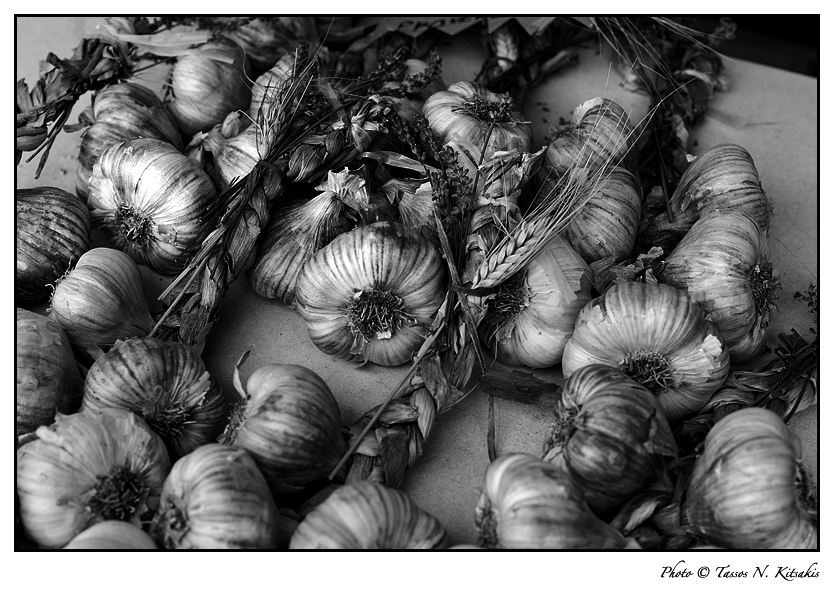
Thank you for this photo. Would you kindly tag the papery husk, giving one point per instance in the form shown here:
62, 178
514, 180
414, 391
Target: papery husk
412, 199
556, 285
207, 83
112, 535
216, 498
291, 427
121, 112
272, 84
660, 319
165, 383
52, 232
748, 490
151, 201
47, 378
58, 474
717, 262
608, 433
101, 301
527, 503
367, 516
266, 39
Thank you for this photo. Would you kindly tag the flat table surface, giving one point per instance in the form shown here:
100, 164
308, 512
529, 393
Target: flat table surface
770, 112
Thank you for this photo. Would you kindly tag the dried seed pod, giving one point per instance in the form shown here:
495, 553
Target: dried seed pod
657, 335
102, 300
216, 498
166, 384
608, 433
112, 535
47, 379
748, 490
291, 426
723, 262
151, 201
120, 112
53, 231
527, 503
86, 468
368, 516
372, 292
532, 316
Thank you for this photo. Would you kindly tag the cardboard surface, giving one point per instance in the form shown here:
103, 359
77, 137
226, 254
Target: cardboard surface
772, 113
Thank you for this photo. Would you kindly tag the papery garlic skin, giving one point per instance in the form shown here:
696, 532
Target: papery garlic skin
371, 293
216, 498
112, 535
120, 112
608, 435
532, 316
266, 39
165, 383
86, 468
291, 427
102, 300
152, 202
743, 493
723, 262
659, 335
528, 504
47, 379
368, 516
53, 231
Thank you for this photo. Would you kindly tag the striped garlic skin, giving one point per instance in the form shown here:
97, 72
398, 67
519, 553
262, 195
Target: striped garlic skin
537, 335
112, 535
122, 111
384, 256
292, 427
272, 85
165, 383
47, 379
716, 260
529, 504
742, 493
216, 498
368, 516
151, 201
57, 474
617, 430
608, 222
53, 231
632, 317
723, 178
102, 300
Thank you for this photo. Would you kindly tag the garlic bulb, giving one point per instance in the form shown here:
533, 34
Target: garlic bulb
85, 468
297, 231
272, 85
532, 316
657, 335
290, 425
266, 39
120, 112
206, 84
723, 178
607, 224
599, 134
609, 431
151, 201
112, 535
47, 379
748, 489
166, 384
413, 200
53, 231
723, 259
102, 300
527, 503
217, 498
368, 516
471, 113
372, 292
